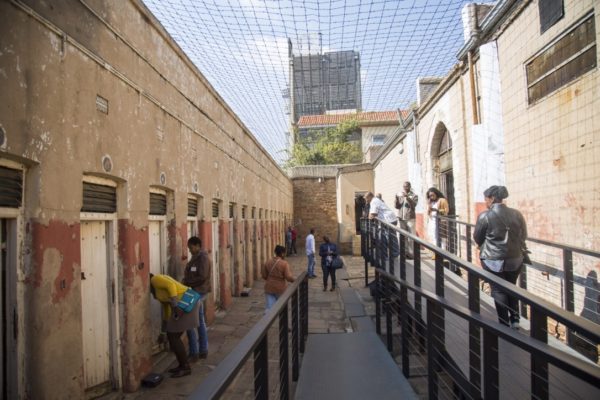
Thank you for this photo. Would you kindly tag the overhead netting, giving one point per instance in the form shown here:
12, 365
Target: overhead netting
241, 46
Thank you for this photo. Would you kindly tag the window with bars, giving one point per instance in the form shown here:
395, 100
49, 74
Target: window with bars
215, 209
569, 56
260, 213
192, 207
231, 210
244, 212
253, 212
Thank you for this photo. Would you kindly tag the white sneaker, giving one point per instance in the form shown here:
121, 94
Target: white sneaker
515, 325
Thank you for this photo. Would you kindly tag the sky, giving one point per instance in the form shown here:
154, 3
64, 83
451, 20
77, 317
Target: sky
241, 47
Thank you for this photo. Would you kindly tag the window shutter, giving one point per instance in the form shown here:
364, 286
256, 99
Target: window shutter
11, 187
192, 207
99, 198
158, 204
550, 12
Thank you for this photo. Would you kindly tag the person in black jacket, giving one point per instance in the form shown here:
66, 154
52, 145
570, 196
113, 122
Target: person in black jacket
500, 233
328, 251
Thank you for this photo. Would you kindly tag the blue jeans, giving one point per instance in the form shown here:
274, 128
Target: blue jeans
270, 299
198, 338
311, 264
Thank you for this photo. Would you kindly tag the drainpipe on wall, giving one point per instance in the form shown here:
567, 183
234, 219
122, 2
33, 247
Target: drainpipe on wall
475, 111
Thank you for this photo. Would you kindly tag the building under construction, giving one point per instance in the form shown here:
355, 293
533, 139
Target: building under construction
324, 82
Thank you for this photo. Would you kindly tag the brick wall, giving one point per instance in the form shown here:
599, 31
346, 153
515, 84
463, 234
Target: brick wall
315, 207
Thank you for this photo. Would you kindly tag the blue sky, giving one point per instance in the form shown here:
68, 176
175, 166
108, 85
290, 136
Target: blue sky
241, 48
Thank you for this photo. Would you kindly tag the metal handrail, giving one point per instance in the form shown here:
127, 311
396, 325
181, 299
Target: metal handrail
562, 246
573, 365
381, 248
579, 324
215, 384
567, 274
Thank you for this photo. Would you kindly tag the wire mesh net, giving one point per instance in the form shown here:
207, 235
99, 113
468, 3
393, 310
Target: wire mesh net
242, 48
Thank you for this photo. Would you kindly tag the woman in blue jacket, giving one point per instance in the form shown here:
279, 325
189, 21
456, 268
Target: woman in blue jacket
328, 251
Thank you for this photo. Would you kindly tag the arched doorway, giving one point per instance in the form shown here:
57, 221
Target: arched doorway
441, 155
443, 178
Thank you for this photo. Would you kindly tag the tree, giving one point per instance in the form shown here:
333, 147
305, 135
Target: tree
326, 146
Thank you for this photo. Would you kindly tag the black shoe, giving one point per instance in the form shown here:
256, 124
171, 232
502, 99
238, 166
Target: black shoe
176, 369
182, 372
203, 355
332, 289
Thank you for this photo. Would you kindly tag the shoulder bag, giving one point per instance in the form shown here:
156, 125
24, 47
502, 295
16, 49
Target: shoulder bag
337, 262
188, 300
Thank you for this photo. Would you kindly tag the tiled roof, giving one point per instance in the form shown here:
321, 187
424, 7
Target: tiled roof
363, 118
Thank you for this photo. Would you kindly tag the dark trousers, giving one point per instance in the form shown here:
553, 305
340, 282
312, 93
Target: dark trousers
328, 271
507, 307
294, 246
178, 348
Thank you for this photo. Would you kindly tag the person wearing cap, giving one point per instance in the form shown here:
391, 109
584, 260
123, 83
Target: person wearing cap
500, 233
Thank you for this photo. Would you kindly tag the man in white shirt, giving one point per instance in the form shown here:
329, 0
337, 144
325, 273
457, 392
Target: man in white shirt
378, 209
310, 253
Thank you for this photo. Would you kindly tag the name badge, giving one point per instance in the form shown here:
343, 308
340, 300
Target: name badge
193, 269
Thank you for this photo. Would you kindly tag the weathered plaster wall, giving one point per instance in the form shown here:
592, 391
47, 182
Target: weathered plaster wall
348, 184
163, 118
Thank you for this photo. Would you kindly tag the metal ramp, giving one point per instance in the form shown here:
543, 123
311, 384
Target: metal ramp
350, 366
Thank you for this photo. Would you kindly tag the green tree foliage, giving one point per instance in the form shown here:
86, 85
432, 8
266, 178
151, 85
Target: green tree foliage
327, 146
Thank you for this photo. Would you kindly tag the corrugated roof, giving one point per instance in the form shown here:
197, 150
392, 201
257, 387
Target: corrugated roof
364, 118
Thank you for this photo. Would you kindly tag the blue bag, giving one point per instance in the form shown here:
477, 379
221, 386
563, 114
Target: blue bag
188, 300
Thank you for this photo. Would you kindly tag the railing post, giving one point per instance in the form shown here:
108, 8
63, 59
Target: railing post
295, 334
539, 366
432, 350
469, 243
438, 239
418, 300
474, 332
364, 240
303, 313
387, 307
377, 303
261, 370
390, 249
439, 275
523, 285
569, 287
405, 331
490, 366
284, 356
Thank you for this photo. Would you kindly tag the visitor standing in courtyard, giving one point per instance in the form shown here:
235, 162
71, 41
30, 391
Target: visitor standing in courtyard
197, 275
406, 203
500, 233
276, 273
294, 238
378, 209
310, 253
437, 205
288, 240
328, 251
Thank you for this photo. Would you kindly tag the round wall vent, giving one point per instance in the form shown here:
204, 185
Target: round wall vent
163, 178
107, 163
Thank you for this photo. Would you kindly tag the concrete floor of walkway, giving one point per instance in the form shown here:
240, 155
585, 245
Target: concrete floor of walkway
326, 315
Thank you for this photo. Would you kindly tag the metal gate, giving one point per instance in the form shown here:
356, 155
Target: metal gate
215, 259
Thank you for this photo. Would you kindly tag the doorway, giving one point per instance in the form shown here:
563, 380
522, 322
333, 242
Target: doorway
444, 177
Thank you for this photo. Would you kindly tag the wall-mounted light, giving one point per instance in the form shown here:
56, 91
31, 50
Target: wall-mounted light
320, 180
401, 148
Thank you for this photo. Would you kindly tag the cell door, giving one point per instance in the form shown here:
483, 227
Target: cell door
8, 331
155, 236
192, 230
232, 254
216, 289
95, 303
